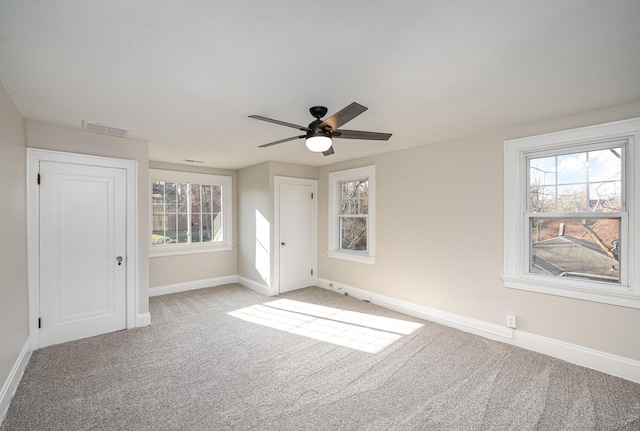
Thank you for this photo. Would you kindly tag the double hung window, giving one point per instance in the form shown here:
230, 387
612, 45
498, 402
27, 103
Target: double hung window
352, 220
571, 213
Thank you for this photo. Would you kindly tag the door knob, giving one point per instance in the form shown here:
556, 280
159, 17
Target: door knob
282, 244
119, 259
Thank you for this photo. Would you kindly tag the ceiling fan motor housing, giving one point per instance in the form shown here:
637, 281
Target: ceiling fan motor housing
315, 129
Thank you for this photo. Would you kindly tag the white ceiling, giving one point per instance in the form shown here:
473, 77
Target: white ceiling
185, 75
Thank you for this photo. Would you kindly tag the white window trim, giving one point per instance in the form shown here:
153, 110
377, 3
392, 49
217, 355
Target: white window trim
516, 235
335, 178
227, 220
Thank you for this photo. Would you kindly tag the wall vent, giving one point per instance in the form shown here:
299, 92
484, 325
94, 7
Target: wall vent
92, 126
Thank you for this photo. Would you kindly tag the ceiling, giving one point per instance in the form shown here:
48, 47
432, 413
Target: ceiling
185, 75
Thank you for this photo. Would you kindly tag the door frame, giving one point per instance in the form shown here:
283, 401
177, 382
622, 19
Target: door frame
277, 180
34, 157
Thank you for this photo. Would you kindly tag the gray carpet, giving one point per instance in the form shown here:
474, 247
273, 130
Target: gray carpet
199, 368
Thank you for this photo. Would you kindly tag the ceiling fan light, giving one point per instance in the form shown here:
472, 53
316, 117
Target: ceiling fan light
318, 144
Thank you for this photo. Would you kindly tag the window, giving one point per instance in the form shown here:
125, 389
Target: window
352, 220
570, 213
190, 213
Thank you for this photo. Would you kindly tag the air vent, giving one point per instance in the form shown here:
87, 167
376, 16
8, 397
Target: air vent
91, 126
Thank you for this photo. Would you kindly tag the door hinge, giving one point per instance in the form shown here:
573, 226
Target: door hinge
311, 195
38, 179
39, 322
312, 272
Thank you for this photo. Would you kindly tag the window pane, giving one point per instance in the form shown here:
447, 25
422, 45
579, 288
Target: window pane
207, 228
354, 197
195, 197
157, 230
216, 198
217, 228
353, 233
183, 228
542, 171
170, 197
212, 228
585, 181
572, 168
605, 197
572, 198
157, 193
206, 199
605, 165
542, 199
576, 248
170, 229
182, 198
195, 227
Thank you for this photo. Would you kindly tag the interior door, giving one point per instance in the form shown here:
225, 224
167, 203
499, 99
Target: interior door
82, 251
296, 227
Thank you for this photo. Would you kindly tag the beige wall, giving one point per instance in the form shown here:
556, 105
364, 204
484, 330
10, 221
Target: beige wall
168, 270
14, 315
255, 191
254, 201
61, 138
440, 240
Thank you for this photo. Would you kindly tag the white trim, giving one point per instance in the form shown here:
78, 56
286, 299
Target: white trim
13, 379
474, 326
515, 241
352, 256
619, 366
191, 285
226, 182
34, 157
144, 319
334, 251
180, 249
277, 181
260, 288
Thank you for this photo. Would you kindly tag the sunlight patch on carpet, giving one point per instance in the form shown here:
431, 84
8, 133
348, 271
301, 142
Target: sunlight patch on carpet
359, 331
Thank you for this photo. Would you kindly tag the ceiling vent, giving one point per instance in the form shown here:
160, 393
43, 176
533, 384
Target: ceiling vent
91, 126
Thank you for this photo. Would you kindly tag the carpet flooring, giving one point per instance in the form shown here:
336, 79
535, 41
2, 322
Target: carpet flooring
226, 358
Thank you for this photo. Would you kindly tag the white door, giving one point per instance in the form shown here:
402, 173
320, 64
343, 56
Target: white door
296, 233
82, 251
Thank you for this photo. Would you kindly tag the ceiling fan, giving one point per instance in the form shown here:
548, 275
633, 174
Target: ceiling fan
319, 133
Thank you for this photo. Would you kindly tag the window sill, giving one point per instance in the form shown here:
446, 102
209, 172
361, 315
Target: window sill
616, 296
188, 249
353, 257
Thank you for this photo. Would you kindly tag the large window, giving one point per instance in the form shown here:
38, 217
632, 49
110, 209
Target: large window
189, 212
575, 213
352, 209
570, 213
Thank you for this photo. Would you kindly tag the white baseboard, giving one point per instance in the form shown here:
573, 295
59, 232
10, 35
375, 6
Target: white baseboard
478, 327
618, 366
192, 285
143, 319
260, 288
11, 384
597, 360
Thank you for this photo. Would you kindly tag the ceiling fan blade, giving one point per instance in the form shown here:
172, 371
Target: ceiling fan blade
329, 151
282, 140
282, 123
358, 134
343, 116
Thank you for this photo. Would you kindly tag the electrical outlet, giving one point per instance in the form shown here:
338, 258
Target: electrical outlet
511, 321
